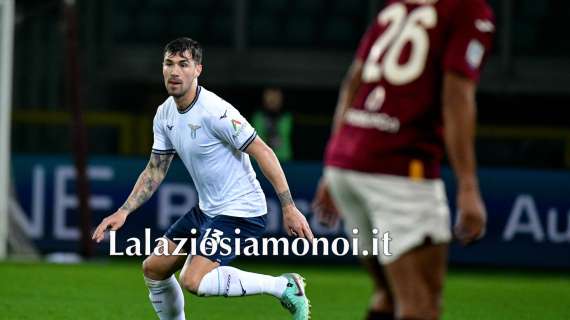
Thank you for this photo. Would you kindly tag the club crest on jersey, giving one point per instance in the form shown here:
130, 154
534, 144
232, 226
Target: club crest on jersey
194, 127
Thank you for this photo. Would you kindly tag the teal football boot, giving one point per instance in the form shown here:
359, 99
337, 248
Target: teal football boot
294, 298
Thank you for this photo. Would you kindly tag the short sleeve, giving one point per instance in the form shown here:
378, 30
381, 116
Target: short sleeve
161, 143
232, 128
471, 39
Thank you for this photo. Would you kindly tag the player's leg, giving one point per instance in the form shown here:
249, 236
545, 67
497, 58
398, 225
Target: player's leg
204, 277
194, 270
417, 279
416, 216
165, 293
208, 274
381, 302
355, 214
161, 267
212, 276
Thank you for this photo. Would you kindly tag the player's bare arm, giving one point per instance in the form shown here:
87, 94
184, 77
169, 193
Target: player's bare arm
148, 181
293, 220
459, 112
322, 204
347, 91
144, 188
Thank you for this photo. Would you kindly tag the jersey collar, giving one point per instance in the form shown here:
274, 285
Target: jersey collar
198, 89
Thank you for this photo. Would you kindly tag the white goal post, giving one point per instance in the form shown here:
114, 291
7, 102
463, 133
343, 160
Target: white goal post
6, 53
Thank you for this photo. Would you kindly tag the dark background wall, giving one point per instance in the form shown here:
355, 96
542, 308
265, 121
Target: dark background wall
302, 46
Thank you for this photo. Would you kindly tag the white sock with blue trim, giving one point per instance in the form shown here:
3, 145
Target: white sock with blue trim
167, 298
232, 282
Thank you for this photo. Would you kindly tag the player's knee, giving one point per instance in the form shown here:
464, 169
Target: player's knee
151, 270
190, 282
148, 269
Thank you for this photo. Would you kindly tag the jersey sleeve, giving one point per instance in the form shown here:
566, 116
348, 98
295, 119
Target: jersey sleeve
232, 128
161, 143
471, 39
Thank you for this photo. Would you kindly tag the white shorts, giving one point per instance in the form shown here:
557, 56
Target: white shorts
410, 211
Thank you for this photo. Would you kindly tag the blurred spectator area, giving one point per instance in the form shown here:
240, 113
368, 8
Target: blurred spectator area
537, 28
131, 135
274, 23
286, 43
304, 46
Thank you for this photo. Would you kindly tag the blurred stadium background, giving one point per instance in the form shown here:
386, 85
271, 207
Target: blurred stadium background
79, 85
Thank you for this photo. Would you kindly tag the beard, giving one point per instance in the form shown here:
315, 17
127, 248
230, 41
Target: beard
176, 92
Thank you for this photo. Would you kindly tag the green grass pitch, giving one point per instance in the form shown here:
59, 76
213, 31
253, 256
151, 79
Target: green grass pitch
116, 291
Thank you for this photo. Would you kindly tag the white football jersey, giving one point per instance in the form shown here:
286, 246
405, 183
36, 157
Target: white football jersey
210, 136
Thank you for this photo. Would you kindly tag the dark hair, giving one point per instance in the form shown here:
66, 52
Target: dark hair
181, 45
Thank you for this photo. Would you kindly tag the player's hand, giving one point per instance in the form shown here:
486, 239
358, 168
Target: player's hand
295, 223
112, 222
324, 207
472, 216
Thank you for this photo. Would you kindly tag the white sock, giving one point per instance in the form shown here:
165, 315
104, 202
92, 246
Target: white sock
167, 298
231, 282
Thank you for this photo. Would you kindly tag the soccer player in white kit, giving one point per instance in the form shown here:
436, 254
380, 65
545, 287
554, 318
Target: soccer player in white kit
214, 142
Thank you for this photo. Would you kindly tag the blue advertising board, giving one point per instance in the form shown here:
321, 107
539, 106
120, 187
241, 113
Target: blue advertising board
528, 210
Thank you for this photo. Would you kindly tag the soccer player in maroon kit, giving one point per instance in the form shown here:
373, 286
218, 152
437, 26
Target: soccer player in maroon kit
409, 93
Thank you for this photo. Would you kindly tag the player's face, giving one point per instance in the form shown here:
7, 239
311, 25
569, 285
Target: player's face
179, 71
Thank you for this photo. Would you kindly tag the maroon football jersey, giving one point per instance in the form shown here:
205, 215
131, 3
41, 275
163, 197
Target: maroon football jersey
394, 125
